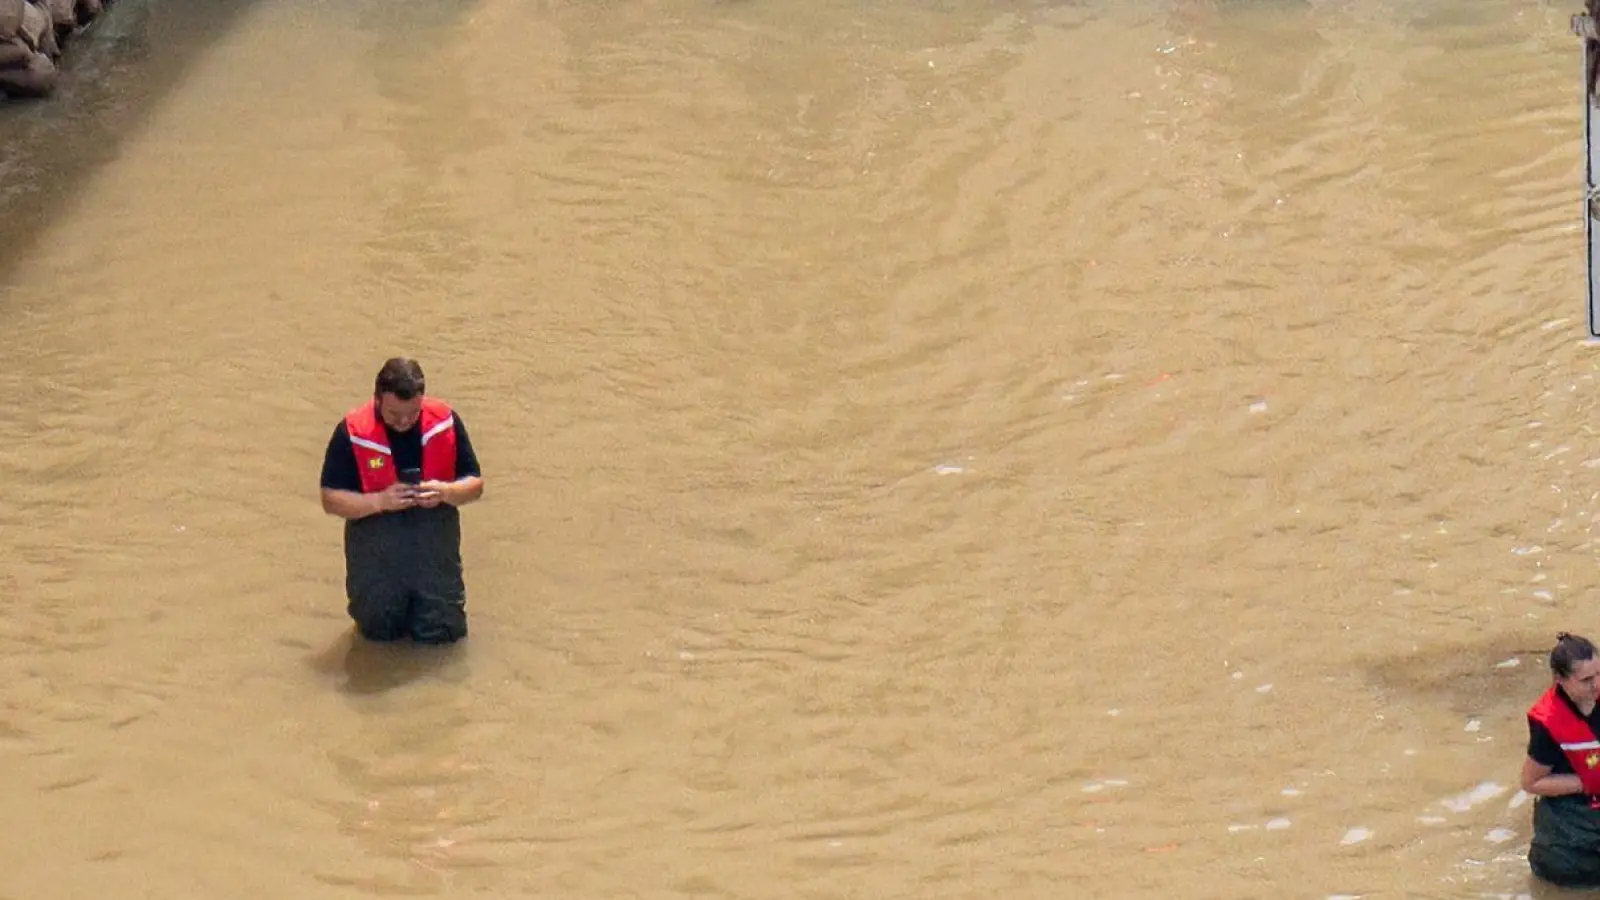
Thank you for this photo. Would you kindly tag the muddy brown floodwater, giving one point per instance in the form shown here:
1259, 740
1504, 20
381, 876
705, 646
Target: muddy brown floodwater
933, 450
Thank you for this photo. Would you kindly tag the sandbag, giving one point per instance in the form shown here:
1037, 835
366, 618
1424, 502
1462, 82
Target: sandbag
37, 79
10, 18
14, 54
49, 41
36, 28
64, 14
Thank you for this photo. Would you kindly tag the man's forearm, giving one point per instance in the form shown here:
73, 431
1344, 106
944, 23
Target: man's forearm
348, 504
463, 491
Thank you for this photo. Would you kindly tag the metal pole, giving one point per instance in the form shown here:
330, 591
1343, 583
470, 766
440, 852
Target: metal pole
1584, 26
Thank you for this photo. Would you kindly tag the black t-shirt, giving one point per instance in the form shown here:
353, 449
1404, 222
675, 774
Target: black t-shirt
339, 470
1546, 750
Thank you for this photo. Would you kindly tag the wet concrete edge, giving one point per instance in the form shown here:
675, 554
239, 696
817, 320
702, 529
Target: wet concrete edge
114, 73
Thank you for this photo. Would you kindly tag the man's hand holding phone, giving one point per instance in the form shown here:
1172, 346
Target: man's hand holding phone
430, 494
405, 493
396, 497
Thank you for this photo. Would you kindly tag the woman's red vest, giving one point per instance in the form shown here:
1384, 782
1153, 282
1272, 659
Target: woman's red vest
1576, 738
374, 458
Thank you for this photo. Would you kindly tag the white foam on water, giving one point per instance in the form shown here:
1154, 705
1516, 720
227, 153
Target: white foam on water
1473, 725
1355, 836
1431, 820
1511, 663
948, 470
1518, 799
1499, 835
1263, 689
1488, 790
1290, 792
1235, 829
1277, 824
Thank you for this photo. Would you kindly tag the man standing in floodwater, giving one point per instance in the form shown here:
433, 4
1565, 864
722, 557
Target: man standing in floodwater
397, 469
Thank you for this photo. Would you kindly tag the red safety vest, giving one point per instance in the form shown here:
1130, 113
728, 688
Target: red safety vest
1576, 738
375, 460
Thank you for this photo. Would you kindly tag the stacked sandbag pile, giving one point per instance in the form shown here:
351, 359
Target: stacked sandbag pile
32, 33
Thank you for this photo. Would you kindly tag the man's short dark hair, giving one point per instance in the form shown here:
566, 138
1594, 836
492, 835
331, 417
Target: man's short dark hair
401, 377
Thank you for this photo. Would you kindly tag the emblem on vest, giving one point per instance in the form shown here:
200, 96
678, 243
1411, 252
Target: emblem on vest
1592, 760
377, 463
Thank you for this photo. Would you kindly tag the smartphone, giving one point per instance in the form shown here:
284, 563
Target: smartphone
410, 476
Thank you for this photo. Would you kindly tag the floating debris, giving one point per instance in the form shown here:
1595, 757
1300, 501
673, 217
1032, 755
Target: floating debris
948, 470
1355, 836
1511, 663
1263, 689
1488, 790
1290, 792
1277, 824
1473, 725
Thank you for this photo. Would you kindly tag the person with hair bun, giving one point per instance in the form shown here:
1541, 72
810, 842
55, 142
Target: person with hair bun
1562, 768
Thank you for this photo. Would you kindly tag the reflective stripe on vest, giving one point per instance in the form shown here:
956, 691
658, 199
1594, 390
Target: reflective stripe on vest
369, 441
